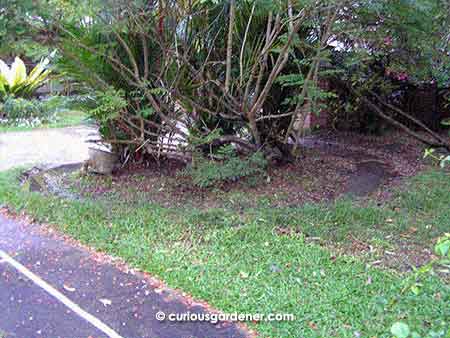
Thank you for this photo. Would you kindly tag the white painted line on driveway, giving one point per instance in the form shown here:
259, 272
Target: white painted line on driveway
4, 257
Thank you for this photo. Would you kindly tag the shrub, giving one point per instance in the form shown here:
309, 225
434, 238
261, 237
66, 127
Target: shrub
175, 85
22, 112
55, 104
109, 104
226, 167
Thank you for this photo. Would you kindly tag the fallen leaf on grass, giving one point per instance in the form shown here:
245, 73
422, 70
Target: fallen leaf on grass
243, 275
105, 301
312, 325
68, 288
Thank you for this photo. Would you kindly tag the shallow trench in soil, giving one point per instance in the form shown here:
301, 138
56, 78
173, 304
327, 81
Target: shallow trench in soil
369, 174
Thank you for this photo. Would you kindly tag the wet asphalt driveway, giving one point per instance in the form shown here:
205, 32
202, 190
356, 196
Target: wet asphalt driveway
125, 302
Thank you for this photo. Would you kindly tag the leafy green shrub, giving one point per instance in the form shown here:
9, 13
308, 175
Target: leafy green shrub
14, 109
33, 113
22, 112
56, 104
227, 166
108, 105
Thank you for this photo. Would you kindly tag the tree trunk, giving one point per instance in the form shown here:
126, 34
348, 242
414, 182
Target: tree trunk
230, 45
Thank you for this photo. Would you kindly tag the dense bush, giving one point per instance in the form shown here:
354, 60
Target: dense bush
394, 47
23, 112
244, 67
227, 166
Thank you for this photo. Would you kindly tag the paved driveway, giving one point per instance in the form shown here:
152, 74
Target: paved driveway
45, 146
52, 288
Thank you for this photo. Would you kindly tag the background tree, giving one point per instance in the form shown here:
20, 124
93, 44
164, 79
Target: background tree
385, 49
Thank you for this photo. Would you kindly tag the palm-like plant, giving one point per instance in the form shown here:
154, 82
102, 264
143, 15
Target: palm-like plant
15, 81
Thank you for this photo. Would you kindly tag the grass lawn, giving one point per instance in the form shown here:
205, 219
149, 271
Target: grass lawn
264, 261
64, 119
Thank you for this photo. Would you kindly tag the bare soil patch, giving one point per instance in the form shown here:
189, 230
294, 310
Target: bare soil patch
331, 165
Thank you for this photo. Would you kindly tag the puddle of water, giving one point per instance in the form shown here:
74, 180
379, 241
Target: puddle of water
50, 180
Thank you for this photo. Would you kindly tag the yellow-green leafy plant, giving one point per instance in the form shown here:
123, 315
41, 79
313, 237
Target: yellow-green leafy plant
15, 81
412, 284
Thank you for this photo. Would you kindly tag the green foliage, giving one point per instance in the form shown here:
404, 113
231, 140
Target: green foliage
56, 103
15, 109
27, 26
400, 330
197, 140
108, 105
384, 47
15, 37
173, 75
15, 81
414, 285
30, 113
443, 160
442, 247
115, 65
227, 166
405, 37
18, 111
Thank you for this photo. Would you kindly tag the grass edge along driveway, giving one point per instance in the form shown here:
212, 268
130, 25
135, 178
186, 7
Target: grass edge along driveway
249, 268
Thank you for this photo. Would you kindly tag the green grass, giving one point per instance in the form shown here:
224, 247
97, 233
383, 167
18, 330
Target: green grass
240, 264
64, 119
420, 205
